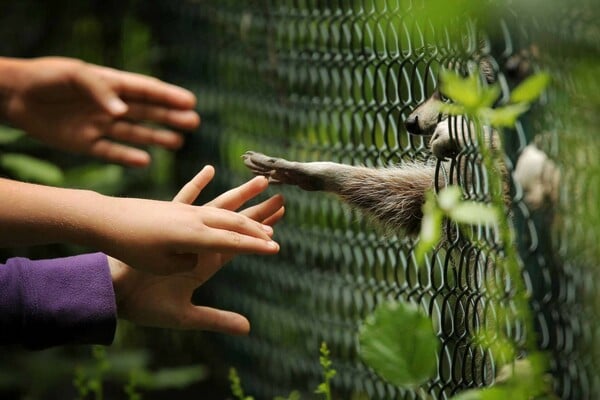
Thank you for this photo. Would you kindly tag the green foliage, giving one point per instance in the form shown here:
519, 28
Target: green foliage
106, 179
448, 203
530, 89
27, 168
170, 378
130, 388
522, 379
295, 395
398, 341
324, 388
475, 100
236, 385
525, 379
431, 227
90, 380
9, 135
468, 92
130, 368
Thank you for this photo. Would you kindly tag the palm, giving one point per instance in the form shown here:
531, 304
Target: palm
149, 298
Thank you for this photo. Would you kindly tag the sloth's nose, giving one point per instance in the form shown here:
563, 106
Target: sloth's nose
412, 125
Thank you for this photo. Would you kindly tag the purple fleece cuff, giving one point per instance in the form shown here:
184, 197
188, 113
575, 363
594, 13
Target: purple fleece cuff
54, 302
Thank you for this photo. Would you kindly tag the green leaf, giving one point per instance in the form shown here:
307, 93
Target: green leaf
473, 394
470, 212
451, 109
489, 95
505, 116
464, 91
178, 377
31, 169
449, 197
468, 93
9, 135
397, 340
430, 234
531, 88
106, 179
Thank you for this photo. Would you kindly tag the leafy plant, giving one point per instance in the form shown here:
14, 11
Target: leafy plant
130, 369
324, 388
397, 340
448, 203
236, 385
473, 100
90, 380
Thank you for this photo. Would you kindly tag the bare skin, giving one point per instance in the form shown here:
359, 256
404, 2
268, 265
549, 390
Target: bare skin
89, 109
158, 252
165, 301
158, 236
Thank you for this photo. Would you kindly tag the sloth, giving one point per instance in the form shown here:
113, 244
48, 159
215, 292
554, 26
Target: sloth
394, 196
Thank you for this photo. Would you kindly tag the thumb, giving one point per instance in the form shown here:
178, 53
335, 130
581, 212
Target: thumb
215, 320
99, 91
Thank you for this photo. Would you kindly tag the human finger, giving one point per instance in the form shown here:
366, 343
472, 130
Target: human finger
139, 134
273, 219
222, 219
229, 241
236, 197
265, 210
190, 191
182, 119
98, 90
132, 86
119, 153
215, 320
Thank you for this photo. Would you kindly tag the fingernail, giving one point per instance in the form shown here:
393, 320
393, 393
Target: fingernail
267, 229
273, 245
117, 106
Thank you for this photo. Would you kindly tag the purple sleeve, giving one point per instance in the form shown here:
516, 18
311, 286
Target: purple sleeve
57, 302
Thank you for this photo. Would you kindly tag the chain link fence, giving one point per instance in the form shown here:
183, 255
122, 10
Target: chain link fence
336, 80
332, 80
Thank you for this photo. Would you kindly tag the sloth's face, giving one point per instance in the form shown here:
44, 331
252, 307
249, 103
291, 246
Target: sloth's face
423, 119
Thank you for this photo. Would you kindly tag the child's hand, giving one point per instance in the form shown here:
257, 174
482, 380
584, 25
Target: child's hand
164, 301
85, 108
165, 237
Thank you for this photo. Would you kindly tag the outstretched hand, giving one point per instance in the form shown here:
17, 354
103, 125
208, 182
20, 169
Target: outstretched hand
165, 300
89, 109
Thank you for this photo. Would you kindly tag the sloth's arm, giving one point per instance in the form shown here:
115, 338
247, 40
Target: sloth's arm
393, 196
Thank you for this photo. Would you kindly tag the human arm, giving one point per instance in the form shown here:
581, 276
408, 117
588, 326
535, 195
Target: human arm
72, 300
159, 236
85, 108
165, 301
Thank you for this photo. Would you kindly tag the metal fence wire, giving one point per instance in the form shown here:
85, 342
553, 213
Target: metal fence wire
332, 80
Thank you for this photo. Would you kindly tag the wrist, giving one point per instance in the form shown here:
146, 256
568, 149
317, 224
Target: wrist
11, 70
124, 280
43, 214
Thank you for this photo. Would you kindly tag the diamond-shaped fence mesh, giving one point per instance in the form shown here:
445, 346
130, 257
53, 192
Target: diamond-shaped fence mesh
336, 81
